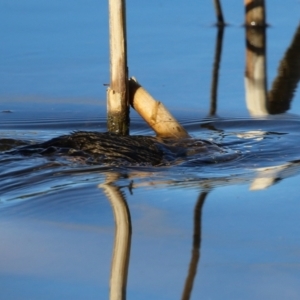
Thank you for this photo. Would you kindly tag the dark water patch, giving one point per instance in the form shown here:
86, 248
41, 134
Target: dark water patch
235, 151
114, 150
7, 144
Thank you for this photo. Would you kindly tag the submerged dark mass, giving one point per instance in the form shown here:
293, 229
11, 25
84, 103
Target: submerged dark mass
108, 148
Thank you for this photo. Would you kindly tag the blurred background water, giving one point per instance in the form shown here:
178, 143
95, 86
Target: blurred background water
57, 226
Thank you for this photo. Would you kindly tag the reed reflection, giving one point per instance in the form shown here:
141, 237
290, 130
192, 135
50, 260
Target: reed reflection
192, 271
122, 243
121, 250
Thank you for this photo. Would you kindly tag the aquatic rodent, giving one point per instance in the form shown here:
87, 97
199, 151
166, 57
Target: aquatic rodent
108, 148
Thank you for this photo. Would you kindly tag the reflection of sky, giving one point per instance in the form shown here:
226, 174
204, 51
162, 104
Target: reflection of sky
250, 239
57, 245
55, 49
64, 246
249, 247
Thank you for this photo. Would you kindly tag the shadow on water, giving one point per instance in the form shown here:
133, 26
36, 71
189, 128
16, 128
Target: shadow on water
260, 152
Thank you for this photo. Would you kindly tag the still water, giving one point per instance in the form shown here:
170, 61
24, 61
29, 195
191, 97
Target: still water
201, 229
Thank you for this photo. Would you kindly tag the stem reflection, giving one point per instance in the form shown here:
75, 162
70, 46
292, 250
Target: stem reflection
121, 252
188, 287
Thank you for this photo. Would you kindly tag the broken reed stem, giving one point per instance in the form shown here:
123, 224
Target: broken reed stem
255, 13
117, 93
154, 112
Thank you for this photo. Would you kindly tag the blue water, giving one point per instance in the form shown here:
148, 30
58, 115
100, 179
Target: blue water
56, 223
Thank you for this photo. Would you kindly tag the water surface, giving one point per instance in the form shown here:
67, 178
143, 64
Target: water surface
224, 230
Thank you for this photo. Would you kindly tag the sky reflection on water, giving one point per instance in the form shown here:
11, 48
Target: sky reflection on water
56, 225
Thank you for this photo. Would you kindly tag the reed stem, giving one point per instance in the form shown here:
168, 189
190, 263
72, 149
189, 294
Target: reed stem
117, 93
